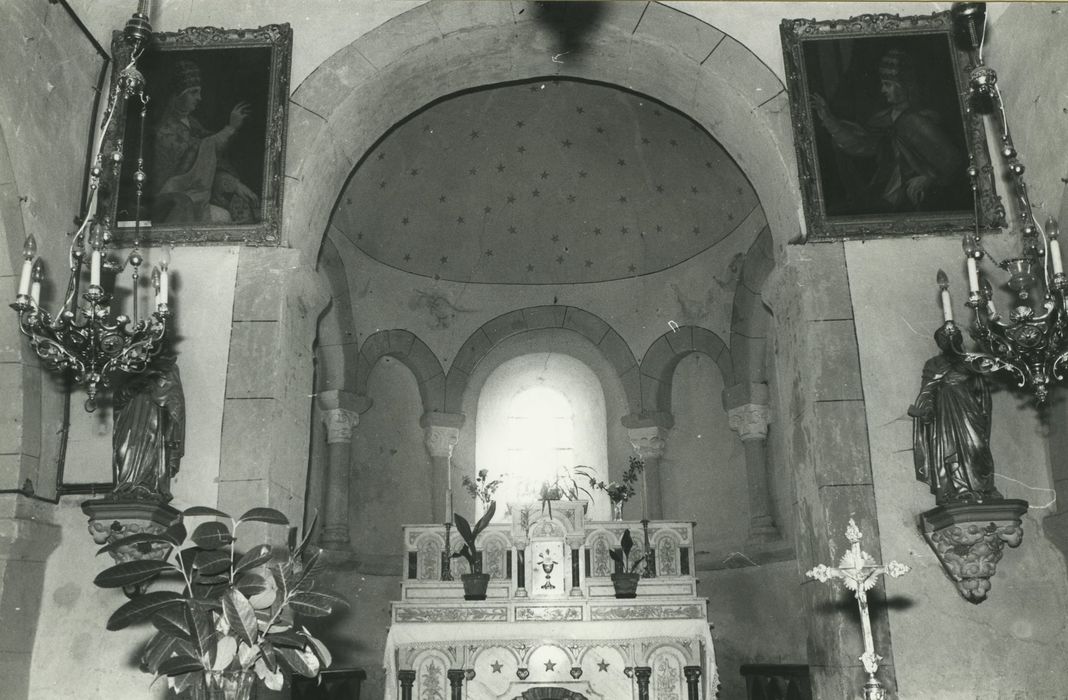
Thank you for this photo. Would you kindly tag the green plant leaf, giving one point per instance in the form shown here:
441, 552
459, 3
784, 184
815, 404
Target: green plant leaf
172, 620
240, 615
298, 662
180, 664
251, 584
269, 656
159, 648
204, 510
257, 556
131, 573
287, 639
186, 557
626, 543
314, 603
484, 521
246, 655
200, 625
141, 537
212, 535
182, 681
318, 647
264, 515
212, 561
225, 651
177, 532
307, 536
463, 528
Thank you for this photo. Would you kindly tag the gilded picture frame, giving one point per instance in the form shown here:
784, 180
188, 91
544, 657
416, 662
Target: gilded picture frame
213, 138
882, 129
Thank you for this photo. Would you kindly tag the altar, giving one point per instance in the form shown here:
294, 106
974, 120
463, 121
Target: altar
550, 627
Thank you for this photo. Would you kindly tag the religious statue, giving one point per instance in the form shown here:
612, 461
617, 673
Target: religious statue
951, 426
149, 434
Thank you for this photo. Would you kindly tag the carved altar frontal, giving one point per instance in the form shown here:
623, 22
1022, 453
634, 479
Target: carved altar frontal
550, 625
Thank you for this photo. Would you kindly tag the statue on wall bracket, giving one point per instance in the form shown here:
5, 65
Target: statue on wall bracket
973, 522
148, 441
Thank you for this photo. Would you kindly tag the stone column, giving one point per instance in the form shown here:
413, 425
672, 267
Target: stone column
456, 683
693, 682
340, 411
750, 416
442, 432
407, 679
649, 443
643, 674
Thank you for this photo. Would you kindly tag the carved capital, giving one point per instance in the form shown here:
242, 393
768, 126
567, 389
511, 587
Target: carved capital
970, 539
750, 421
648, 442
440, 440
339, 424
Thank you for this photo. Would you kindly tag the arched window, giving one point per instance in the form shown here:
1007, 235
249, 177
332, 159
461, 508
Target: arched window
540, 439
538, 416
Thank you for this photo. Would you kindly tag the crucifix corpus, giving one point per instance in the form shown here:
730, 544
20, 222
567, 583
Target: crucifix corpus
859, 572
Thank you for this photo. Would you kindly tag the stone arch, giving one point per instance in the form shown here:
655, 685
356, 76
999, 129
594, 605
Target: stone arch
349, 101
591, 327
336, 343
750, 317
414, 354
663, 356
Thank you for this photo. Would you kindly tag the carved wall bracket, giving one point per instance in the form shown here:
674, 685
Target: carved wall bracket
970, 538
113, 520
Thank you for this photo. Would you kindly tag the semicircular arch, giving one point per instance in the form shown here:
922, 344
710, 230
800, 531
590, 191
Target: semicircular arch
346, 104
663, 356
413, 353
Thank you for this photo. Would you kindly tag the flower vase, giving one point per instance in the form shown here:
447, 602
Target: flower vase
232, 685
617, 510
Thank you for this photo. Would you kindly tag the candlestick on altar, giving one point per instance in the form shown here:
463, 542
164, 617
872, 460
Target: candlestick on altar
860, 573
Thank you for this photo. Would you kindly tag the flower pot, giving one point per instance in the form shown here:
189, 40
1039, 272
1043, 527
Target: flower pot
475, 586
225, 685
626, 585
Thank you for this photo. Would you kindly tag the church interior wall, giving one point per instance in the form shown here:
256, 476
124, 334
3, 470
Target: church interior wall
893, 304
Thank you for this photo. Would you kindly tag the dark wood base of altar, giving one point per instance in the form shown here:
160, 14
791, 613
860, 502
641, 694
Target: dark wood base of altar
642, 675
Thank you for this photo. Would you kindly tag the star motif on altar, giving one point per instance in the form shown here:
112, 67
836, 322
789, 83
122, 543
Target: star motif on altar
496, 666
550, 665
602, 665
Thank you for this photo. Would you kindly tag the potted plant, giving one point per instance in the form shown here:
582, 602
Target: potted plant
564, 486
235, 617
475, 582
480, 488
625, 579
619, 492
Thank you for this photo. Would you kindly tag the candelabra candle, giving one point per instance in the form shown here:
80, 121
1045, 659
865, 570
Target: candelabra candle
35, 285
947, 303
1053, 231
29, 252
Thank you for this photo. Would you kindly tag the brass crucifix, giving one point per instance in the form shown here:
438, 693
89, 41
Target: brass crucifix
860, 574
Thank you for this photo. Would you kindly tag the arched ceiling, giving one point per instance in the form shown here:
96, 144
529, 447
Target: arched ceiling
546, 182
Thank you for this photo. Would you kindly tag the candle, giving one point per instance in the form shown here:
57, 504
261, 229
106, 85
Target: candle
94, 269
1054, 246
947, 304
35, 286
973, 275
29, 252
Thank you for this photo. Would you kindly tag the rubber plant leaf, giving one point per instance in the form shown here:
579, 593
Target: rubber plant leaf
204, 510
131, 573
212, 535
240, 615
264, 515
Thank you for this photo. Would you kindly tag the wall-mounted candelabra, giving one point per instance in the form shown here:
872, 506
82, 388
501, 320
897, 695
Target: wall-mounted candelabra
1031, 341
84, 336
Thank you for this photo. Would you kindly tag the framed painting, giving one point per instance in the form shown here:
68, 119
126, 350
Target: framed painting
213, 135
882, 128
